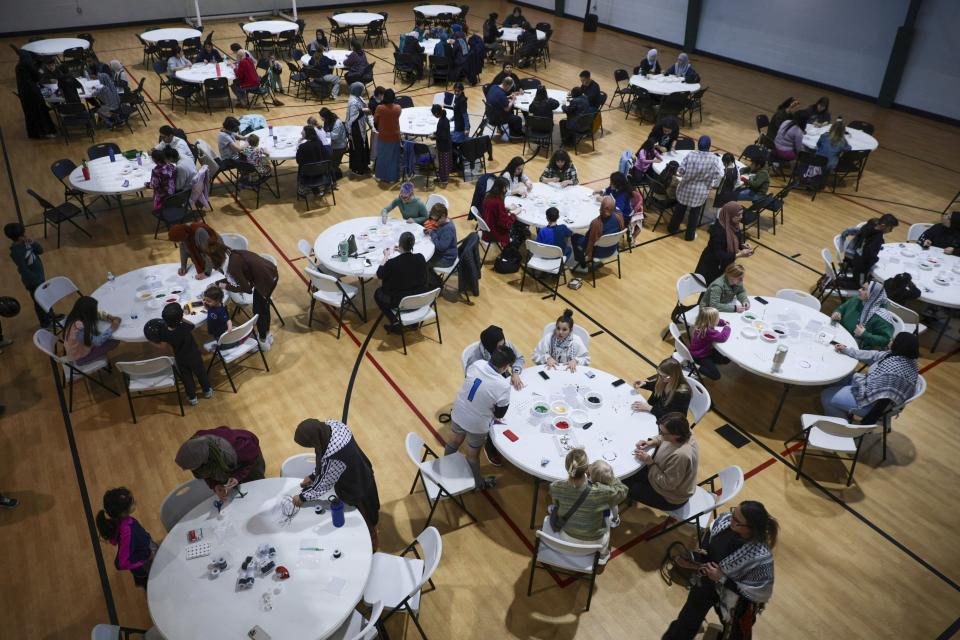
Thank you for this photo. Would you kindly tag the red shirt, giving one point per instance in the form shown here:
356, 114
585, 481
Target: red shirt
246, 73
499, 220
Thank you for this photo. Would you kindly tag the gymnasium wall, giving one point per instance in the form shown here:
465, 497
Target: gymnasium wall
931, 81
546, 5
660, 19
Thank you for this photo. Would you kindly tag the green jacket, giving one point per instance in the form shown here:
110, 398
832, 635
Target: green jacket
414, 210
759, 182
877, 332
720, 295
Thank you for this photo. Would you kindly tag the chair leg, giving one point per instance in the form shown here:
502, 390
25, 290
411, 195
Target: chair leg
593, 579
226, 370
533, 567
133, 414
313, 303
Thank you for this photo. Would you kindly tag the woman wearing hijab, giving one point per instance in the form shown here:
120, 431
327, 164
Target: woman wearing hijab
120, 77
223, 458
386, 120
193, 239
36, 115
945, 235
108, 97
341, 467
866, 316
726, 243
650, 65
683, 69
358, 129
892, 376
491, 338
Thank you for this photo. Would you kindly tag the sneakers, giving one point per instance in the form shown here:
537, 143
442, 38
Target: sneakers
193, 402
208, 393
493, 456
9, 503
267, 342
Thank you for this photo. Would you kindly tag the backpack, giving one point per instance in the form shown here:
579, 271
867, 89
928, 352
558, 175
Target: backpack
508, 261
900, 288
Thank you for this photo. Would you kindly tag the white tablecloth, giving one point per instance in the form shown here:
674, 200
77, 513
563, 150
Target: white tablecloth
201, 71
140, 295
335, 54
811, 360
510, 34
939, 284
523, 102
372, 238
288, 139
185, 602
418, 121
615, 431
577, 204
356, 19
107, 178
272, 26
433, 10
178, 34
858, 140
90, 87
661, 164
662, 85
54, 46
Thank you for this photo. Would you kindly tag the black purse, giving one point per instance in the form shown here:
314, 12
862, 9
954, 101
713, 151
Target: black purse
557, 523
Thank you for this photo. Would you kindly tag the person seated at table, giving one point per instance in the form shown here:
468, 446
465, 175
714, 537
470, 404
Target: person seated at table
239, 53
404, 274
644, 159
664, 134
355, 63
495, 213
626, 196
707, 330
310, 147
518, 183
230, 143
542, 106
820, 111
670, 180
866, 316
892, 376
410, 45
209, 54
163, 178
223, 458
506, 71
48, 70
444, 142
609, 221
726, 293
461, 119
319, 42
185, 169
193, 239
587, 523
491, 35
500, 100
756, 183
650, 65
515, 19
69, 87
784, 112
668, 478
492, 338
683, 69
411, 207
257, 155
325, 66
830, 145
861, 246
591, 90
527, 44
443, 234
246, 79
108, 97
943, 235
789, 140
726, 243
176, 62
169, 138
562, 347
341, 467
560, 170
669, 391
84, 340
322, 134
115, 524
555, 234
119, 75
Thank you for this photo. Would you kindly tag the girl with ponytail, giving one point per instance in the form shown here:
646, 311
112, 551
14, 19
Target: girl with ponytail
135, 548
562, 347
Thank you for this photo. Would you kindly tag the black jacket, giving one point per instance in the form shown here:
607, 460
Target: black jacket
715, 257
469, 271
403, 275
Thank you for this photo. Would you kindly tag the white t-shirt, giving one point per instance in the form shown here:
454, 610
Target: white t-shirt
483, 389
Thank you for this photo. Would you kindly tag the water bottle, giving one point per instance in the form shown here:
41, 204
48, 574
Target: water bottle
218, 69
779, 357
113, 156
85, 170
270, 129
383, 217
110, 276
342, 249
336, 510
139, 158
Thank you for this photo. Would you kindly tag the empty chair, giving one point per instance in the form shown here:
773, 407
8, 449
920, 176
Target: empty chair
115, 632
916, 230
307, 251
416, 310
800, 297
53, 291
545, 258
444, 274
396, 581
148, 377
244, 344
47, 343
828, 283
700, 402
57, 215
442, 477
182, 500
704, 502
835, 435
102, 150
580, 560
235, 241
299, 466
331, 291
688, 285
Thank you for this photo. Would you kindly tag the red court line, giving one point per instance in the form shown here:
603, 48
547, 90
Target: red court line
942, 358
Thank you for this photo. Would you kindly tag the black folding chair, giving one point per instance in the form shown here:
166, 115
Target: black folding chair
62, 169
249, 178
261, 91
850, 163
317, 178
217, 89
73, 115
175, 210
538, 130
102, 150
57, 215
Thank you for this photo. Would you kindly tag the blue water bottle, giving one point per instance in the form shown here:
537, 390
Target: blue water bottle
336, 510
113, 156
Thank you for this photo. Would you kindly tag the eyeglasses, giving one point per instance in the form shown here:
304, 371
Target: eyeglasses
739, 523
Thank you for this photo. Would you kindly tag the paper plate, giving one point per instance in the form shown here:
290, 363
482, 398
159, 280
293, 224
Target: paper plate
908, 253
768, 336
540, 409
749, 332
144, 295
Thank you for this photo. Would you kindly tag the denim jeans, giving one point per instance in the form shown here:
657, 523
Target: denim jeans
838, 401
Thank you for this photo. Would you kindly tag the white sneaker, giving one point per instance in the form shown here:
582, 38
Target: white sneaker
267, 342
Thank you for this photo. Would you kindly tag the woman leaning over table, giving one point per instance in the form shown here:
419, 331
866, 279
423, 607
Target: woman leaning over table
223, 458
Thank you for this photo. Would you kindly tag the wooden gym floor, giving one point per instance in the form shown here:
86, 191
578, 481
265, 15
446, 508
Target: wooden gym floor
870, 561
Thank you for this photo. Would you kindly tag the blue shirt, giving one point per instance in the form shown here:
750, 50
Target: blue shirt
444, 239
217, 318
622, 198
610, 225
497, 99
557, 235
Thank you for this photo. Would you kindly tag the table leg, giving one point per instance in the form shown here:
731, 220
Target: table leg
533, 509
776, 414
122, 215
943, 329
276, 175
363, 296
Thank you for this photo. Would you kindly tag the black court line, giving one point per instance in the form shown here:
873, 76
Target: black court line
597, 333
893, 202
792, 258
951, 630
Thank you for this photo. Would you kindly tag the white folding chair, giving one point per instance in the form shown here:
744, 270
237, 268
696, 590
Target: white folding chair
465, 355
359, 628
689, 285
700, 402
545, 258
53, 291
397, 581
894, 411
909, 317
483, 227
182, 500
114, 632
234, 241
609, 241
828, 284
916, 230
442, 476
444, 274
899, 325
838, 247
682, 353
580, 560
834, 435
698, 508
330, 291
47, 343
578, 331
146, 377
299, 466
244, 344
307, 251
416, 310
800, 297
436, 198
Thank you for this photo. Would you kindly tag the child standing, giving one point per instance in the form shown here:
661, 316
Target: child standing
26, 255
179, 335
135, 548
556, 234
600, 472
218, 320
702, 336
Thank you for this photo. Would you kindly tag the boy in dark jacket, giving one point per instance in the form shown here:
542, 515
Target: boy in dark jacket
179, 335
26, 255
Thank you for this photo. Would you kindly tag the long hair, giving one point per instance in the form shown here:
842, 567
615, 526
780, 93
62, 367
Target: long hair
116, 502
511, 169
559, 154
837, 132
218, 252
577, 463
499, 189
707, 319
84, 310
763, 526
666, 388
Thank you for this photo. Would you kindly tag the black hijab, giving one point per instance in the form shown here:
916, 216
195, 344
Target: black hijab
491, 337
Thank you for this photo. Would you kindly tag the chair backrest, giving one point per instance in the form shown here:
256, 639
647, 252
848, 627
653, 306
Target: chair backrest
544, 251
414, 302
216, 85
46, 342
323, 282
436, 198
481, 223
920, 390
916, 230
299, 466
370, 631
762, 123
866, 127
182, 500
102, 149
898, 324
699, 399
307, 251
415, 445
688, 285
571, 548
234, 241
63, 168
205, 149
269, 258
578, 331
405, 101
846, 430
54, 290
905, 314
620, 75
678, 344
731, 482
467, 352
838, 246
800, 297
473, 148
827, 257
431, 545
610, 239
146, 368
238, 333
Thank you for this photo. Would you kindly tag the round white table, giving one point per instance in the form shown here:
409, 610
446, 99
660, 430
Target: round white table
336, 54
90, 88
662, 85
201, 71
179, 34
356, 18
858, 140
285, 146
540, 448
433, 10
141, 294
577, 204
274, 27
811, 359
523, 101
321, 593
429, 44
114, 179
418, 121
678, 156
54, 46
511, 34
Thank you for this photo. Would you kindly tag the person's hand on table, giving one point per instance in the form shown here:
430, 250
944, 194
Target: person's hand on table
297, 500
739, 308
221, 491
200, 275
182, 272
835, 316
948, 251
222, 284
640, 405
114, 323
927, 243
746, 305
712, 570
572, 365
306, 482
840, 348
410, 221
516, 381
551, 363
858, 330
